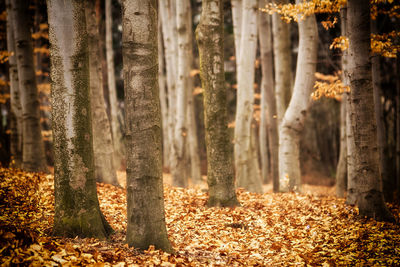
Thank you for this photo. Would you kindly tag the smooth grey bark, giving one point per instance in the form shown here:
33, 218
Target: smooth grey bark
247, 167
77, 210
268, 122
33, 155
15, 101
119, 149
369, 197
146, 218
210, 38
282, 63
102, 138
293, 121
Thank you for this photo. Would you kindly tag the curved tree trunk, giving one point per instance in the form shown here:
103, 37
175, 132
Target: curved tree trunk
282, 63
119, 150
220, 175
16, 109
293, 121
268, 104
33, 156
246, 161
146, 219
102, 139
77, 211
363, 124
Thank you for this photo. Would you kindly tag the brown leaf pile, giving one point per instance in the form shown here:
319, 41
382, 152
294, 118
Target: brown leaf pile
267, 230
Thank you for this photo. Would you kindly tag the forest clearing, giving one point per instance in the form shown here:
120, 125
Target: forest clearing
285, 229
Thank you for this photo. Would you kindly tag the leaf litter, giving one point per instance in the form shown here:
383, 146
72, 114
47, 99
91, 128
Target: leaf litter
282, 229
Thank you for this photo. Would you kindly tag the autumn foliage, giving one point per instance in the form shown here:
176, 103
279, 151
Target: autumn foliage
269, 229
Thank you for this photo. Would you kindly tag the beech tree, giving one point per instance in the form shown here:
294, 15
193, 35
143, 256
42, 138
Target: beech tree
369, 197
102, 139
293, 120
33, 156
77, 211
210, 39
146, 219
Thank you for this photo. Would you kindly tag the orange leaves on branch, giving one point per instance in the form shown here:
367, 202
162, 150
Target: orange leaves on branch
341, 42
329, 86
383, 44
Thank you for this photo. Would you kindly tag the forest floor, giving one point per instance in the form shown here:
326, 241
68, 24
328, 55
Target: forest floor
282, 229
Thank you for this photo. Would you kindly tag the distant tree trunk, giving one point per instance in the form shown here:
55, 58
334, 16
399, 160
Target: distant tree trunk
397, 157
341, 170
102, 139
282, 63
119, 151
363, 124
246, 161
210, 37
146, 219
237, 27
163, 97
77, 211
268, 97
293, 121
16, 109
33, 156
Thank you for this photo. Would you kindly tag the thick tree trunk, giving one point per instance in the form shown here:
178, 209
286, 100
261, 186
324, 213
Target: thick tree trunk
102, 139
119, 149
146, 219
282, 63
293, 121
77, 211
268, 104
16, 109
341, 169
363, 124
246, 161
33, 156
210, 38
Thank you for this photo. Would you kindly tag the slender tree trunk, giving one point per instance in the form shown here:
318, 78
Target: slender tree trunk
363, 124
246, 162
33, 156
102, 139
210, 38
268, 95
293, 121
282, 63
146, 219
237, 27
119, 150
341, 170
398, 125
16, 109
77, 210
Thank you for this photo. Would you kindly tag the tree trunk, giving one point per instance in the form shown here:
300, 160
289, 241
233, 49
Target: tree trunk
16, 109
210, 37
282, 63
146, 219
246, 162
33, 156
268, 104
102, 139
293, 121
341, 170
237, 27
397, 156
363, 124
119, 150
77, 211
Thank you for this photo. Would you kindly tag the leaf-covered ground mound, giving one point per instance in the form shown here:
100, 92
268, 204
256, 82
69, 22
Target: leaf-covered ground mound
267, 230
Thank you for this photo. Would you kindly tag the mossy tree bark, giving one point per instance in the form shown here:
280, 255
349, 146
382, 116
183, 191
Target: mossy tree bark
367, 177
293, 121
146, 218
33, 155
16, 109
77, 211
268, 123
220, 174
102, 138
